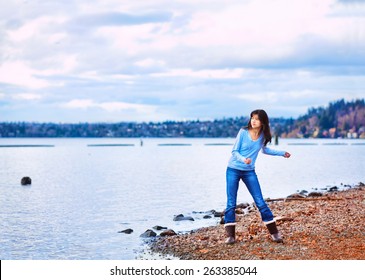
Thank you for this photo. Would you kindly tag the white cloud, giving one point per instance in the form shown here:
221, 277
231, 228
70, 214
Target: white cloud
35, 27
79, 104
27, 96
57, 38
263, 28
122, 106
20, 74
180, 58
109, 106
60, 65
268, 97
136, 39
149, 62
203, 74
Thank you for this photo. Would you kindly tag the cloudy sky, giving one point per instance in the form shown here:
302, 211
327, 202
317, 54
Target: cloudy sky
156, 60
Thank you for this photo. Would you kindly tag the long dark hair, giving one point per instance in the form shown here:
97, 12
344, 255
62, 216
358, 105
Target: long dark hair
265, 128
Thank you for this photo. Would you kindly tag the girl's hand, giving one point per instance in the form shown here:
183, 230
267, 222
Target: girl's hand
247, 161
287, 155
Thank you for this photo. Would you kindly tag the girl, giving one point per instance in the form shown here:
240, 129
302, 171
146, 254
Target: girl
249, 141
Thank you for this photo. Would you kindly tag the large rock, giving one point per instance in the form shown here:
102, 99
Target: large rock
181, 217
148, 233
26, 181
296, 195
127, 231
243, 205
218, 214
168, 232
333, 189
314, 194
159, 227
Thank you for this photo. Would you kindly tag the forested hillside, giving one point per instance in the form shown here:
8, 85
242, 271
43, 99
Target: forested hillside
338, 119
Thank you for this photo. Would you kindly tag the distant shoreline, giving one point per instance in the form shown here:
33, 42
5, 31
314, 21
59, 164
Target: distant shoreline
339, 119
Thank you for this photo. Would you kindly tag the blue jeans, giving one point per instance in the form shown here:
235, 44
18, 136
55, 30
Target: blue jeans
233, 176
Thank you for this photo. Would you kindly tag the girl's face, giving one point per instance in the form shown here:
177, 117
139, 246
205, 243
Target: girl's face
255, 122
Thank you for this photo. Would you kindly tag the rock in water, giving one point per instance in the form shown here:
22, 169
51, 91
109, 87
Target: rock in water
26, 181
127, 231
181, 217
148, 233
159, 227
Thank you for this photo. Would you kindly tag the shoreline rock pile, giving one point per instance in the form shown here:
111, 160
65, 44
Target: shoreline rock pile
317, 225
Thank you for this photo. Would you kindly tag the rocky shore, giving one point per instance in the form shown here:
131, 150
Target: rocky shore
328, 226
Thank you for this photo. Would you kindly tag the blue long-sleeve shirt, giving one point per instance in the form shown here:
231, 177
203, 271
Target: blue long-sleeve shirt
245, 147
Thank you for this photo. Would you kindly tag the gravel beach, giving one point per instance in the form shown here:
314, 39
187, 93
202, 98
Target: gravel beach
325, 227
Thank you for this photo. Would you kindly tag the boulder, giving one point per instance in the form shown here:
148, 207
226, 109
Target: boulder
181, 217
218, 214
296, 195
26, 181
333, 189
314, 194
126, 231
148, 233
243, 205
168, 232
159, 227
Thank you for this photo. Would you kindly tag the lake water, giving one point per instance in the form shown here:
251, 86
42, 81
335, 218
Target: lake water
82, 195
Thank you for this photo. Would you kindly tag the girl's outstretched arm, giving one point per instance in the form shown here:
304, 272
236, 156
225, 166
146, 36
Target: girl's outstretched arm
268, 151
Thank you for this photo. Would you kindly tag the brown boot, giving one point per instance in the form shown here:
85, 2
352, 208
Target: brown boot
230, 233
275, 234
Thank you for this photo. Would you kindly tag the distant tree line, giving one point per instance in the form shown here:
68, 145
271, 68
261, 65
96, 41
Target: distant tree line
339, 119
